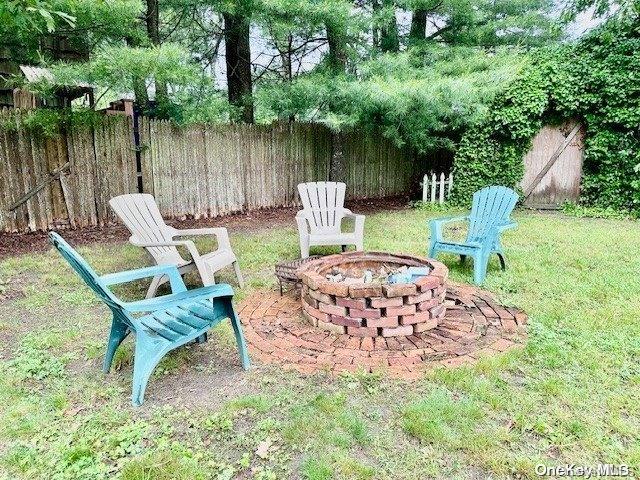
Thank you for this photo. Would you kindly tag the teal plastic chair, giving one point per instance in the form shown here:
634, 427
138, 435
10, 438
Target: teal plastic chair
160, 324
490, 216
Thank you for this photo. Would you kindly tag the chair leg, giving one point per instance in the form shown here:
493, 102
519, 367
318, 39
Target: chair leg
304, 246
236, 267
463, 258
155, 283
119, 332
237, 330
480, 268
360, 245
503, 263
145, 360
433, 250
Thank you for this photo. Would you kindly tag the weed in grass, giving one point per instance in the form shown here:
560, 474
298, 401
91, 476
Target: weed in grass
316, 469
163, 466
94, 349
370, 382
268, 426
581, 211
257, 403
349, 467
173, 361
219, 423
35, 299
33, 361
20, 457
440, 418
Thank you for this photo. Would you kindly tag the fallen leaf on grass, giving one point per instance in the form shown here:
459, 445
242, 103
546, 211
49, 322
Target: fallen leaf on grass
263, 448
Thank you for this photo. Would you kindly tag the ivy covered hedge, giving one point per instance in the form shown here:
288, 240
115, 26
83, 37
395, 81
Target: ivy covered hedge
597, 81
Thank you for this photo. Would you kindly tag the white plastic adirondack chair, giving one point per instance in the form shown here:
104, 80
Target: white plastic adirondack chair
141, 215
320, 221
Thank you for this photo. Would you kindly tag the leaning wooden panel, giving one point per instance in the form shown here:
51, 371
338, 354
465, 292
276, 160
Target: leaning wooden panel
553, 166
54, 150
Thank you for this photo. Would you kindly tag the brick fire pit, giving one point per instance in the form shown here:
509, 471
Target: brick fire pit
372, 309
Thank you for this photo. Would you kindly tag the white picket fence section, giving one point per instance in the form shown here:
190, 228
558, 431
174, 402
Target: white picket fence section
436, 188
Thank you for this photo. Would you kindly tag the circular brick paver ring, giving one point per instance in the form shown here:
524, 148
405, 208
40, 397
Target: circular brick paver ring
474, 326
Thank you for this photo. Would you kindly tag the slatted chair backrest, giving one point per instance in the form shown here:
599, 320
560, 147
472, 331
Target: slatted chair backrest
140, 213
323, 203
491, 206
83, 269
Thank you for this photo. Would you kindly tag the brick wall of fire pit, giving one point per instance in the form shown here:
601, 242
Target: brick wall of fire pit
373, 309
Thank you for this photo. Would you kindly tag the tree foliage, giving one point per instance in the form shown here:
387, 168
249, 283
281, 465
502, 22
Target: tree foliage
304, 40
424, 99
38, 31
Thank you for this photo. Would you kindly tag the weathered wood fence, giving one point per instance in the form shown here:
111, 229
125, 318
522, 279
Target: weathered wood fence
64, 180
198, 171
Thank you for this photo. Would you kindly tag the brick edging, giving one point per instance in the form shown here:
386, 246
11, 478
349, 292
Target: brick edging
474, 326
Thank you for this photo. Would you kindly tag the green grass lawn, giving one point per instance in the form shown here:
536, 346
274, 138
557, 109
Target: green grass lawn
572, 395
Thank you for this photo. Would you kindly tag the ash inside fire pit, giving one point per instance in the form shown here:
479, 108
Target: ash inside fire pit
369, 294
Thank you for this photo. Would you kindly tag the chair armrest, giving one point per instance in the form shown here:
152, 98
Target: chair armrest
176, 299
444, 220
221, 234
359, 227
190, 246
303, 222
436, 226
348, 213
175, 280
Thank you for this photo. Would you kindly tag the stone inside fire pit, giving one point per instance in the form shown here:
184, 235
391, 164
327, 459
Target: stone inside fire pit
370, 294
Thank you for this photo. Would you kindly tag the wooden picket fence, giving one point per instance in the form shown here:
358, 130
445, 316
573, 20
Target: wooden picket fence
436, 188
198, 171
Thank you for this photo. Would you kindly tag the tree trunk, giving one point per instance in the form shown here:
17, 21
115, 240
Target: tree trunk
238, 58
336, 39
285, 50
375, 31
336, 167
389, 37
139, 86
152, 19
418, 26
